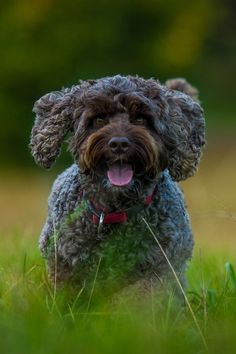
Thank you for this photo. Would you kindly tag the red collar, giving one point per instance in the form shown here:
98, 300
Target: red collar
117, 217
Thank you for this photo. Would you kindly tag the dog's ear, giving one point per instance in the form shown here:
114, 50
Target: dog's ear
53, 120
184, 86
182, 129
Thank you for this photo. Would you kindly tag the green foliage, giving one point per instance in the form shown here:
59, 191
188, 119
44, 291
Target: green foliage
36, 318
49, 44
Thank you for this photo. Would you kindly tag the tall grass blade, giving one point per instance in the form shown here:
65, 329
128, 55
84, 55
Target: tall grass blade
94, 282
179, 284
231, 274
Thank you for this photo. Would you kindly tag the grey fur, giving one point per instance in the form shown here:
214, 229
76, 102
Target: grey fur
77, 239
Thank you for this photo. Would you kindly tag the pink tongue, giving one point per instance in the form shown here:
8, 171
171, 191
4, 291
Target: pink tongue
120, 175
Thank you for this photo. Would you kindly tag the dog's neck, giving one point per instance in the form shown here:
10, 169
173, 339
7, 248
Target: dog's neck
110, 198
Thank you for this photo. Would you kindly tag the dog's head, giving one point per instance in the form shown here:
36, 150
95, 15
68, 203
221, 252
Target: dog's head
122, 128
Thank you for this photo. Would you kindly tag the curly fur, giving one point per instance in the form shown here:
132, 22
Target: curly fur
165, 148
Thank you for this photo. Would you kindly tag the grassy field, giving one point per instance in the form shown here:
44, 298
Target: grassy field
34, 318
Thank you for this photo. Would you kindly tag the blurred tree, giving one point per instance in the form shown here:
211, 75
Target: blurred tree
46, 44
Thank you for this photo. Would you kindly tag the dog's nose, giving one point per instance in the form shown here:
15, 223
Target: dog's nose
119, 145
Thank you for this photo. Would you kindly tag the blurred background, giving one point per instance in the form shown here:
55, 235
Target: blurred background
49, 44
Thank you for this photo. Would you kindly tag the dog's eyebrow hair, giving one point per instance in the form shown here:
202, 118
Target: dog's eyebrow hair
134, 103
140, 107
100, 104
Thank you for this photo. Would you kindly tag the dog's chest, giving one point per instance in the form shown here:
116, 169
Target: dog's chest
126, 248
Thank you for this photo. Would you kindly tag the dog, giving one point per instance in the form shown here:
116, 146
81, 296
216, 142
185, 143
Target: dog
132, 140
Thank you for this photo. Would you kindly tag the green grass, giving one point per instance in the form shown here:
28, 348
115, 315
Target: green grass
34, 318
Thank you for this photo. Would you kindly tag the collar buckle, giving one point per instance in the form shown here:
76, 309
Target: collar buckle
101, 222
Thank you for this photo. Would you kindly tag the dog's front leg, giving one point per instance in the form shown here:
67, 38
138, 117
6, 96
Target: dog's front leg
71, 247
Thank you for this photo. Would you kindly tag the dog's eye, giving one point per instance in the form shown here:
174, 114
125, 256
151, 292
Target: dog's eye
140, 121
99, 121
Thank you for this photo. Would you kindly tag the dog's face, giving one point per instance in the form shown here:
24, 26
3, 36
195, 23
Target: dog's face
124, 130
115, 139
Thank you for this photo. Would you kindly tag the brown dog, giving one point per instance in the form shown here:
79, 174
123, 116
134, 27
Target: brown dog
131, 140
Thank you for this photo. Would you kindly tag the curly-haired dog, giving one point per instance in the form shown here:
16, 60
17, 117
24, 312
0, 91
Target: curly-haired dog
131, 139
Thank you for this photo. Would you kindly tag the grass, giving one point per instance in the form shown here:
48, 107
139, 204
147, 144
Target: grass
35, 319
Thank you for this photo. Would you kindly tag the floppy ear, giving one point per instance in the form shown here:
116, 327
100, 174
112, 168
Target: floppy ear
53, 121
182, 85
182, 128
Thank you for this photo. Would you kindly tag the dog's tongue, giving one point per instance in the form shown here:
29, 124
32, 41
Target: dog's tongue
120, 175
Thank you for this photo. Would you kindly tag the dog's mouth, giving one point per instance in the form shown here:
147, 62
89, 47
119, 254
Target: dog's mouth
120, 174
